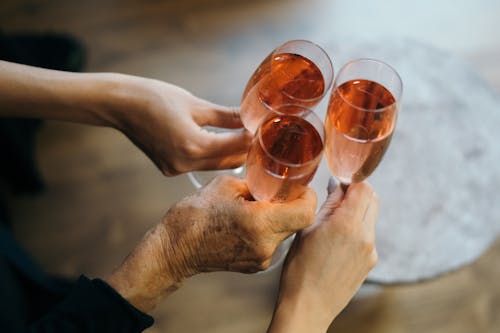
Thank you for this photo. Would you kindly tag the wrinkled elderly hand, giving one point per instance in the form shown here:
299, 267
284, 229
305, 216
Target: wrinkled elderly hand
166, 123
217, 228
328, 262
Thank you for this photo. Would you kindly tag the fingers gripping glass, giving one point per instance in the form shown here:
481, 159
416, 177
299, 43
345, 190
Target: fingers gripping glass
283, 158
297, 72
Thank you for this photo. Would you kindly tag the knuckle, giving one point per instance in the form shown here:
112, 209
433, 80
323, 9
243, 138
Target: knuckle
300, 222
170, 169
191, 149
373, 259
312, 197
178, 167
234, 111
263, 258
262, 252
309, 216
367, 246
267, 254
264, 264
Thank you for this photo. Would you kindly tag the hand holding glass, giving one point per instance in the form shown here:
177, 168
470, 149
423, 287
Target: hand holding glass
297, 72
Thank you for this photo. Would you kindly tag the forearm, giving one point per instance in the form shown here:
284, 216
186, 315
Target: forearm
32, 92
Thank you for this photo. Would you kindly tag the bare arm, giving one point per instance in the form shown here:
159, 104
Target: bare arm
328, 262
32, 92
163, 120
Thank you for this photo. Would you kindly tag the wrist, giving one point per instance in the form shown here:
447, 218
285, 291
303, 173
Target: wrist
115, 98
124, 101
91, 98
144, 278
142, 295
299, 314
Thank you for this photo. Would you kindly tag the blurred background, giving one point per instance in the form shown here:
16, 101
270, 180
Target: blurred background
102, 194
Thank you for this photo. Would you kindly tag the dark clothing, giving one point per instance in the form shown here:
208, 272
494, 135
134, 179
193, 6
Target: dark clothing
17, 136
32, 301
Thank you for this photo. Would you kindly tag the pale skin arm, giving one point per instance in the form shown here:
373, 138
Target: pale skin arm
328, 262
163, 120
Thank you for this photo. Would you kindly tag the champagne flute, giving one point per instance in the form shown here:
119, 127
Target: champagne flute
297, 72
283, 158
285, 153
361, 118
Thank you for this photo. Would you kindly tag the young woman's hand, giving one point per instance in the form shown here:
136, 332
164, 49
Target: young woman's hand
328, 262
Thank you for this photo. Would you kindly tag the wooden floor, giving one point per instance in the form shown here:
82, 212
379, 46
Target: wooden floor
103, 194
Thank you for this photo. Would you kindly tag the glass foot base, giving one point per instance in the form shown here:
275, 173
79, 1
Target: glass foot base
201, 178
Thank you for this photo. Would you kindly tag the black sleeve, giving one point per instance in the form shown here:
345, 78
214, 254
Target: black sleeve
92, 306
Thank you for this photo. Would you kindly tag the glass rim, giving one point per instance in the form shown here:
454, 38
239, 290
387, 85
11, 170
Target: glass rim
397, 99
329, 62
274, 112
